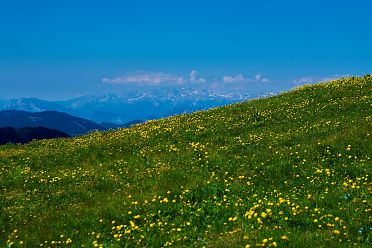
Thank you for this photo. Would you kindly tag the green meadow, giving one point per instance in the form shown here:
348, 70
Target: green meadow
292, 170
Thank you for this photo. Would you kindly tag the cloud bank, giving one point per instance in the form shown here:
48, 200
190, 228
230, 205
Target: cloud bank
226, 83
233, 79
154, 79
241, 79
145, 79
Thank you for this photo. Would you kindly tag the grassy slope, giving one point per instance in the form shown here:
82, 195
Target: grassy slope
290, 170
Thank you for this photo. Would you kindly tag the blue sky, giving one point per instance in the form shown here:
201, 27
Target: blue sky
62, 49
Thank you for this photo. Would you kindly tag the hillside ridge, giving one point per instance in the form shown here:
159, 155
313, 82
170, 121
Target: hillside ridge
66, 123
292, 170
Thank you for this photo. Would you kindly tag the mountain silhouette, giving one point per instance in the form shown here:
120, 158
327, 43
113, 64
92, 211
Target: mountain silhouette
71, 125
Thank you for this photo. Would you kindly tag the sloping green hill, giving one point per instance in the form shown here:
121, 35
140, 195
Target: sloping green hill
292, 170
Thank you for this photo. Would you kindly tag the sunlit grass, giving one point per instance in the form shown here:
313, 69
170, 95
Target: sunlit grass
292, 170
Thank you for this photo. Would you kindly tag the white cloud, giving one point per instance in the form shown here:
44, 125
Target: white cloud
194, 77
166, 79
241, 79
259, 78
233, 79
154, 79
145, 79
193, 74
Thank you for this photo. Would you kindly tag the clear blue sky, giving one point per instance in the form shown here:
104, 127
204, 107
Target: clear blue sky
61, 49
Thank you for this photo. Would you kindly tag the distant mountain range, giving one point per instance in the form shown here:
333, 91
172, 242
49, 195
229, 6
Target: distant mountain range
71, 125
66, 123
126, 107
